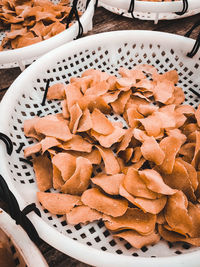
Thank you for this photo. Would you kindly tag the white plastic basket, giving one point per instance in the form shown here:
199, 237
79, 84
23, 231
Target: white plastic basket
92, 243
25, 253
26, 55
155, 11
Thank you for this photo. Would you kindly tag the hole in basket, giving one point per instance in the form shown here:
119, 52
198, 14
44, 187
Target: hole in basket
144, 249
186, 246
92, 230
97, 239
119, 251
83, 235
77, 227
135, 254
112, 243
178, 252
17, 261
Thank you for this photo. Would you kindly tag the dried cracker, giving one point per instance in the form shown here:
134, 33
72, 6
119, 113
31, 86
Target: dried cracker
82, 214
134, 219
57, 203
109, 183
137, 240
105, 204
43, 172
80, 179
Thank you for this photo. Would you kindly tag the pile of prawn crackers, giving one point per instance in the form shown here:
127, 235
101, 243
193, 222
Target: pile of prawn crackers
140, 177
30, 21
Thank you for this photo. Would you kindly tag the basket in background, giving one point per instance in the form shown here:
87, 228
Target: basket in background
26, 55
154, 11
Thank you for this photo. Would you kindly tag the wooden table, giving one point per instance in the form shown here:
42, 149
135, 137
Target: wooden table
103, 21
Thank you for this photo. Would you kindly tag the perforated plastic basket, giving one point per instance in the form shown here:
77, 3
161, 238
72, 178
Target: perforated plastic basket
25, 253
26, 55
108, 52
155, 11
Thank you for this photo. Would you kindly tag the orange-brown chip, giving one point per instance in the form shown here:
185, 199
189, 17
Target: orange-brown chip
135, 185
49, 142
137, 155
147, 110
73, 95
100, 202
43, 172
85, 122
134, 219
100, 123
29, 128
153, 206
140, 135
53, 127
79, 181
75, 115
137, 74
125, 140
108, 140
56, 91
58, 181
176, 213
82, 214
163, 91
58, 203
171, 75
66, 163
175, 237
77, 143
197, 115
94, 156
151, 151
119, 105
98, 89
148, 122
170, 146
109, 183
111, 96
127, 154
196, 157
110, 161
30, 150
187, 150
133, 115
155, 183
179, 179
192, 173
138, 241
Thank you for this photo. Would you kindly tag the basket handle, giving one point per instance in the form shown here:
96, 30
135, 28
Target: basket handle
197, 43
19, 216
131, 8
11, 202
185, 8
95, 6
74, 12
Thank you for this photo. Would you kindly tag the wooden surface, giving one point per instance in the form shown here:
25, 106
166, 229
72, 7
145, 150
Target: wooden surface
103, 21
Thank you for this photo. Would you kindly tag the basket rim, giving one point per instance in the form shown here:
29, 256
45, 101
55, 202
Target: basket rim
152, 7
40, 48
58, 240
30, 253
